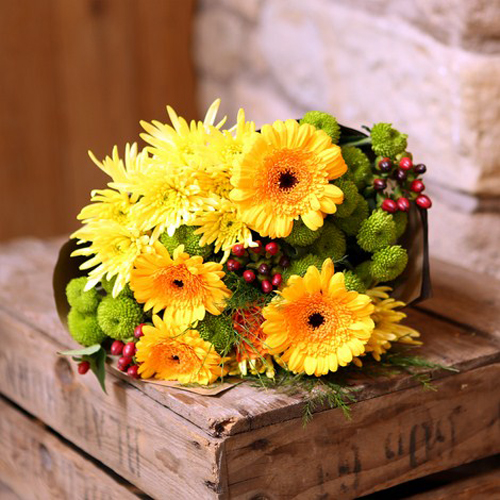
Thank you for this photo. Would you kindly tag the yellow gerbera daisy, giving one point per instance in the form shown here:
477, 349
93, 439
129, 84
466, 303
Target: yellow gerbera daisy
220, 223
113, 250
186, 287
284, 174
166, 352
316, 324
387, 324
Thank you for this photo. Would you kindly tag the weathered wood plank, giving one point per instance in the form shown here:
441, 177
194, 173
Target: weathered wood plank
465, 297
36, 464
131, 433
390, 440
25, 277
480, 486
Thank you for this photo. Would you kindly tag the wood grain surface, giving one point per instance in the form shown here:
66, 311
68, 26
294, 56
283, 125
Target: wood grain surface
36, 464
78, 76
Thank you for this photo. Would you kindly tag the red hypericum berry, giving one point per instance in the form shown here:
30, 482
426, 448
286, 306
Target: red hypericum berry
258, 248
249, 276
420, 168
403, 204
266, 286
389, 206
239, 250
405, 163
138, 333
83, 367
417, 186
379, 184
233, 265
124, 362
264, 269
117, 347
132, 371
400, 175
129, 349
385, 165
284, 262
272, 248
277, 279
423, 201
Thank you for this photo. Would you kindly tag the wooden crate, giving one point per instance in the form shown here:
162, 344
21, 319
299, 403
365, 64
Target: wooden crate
247, 443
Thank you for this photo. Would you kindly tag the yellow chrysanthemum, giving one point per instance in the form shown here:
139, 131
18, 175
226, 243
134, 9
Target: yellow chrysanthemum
186, 287
168, 198
284, 174
120, 170
316, 324
113, 249
223, 148
166, 352
220, 223
107, 204
387, 324
179, 143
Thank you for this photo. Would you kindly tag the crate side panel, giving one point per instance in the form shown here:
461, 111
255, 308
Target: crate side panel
390, 440
140, 439
35, 463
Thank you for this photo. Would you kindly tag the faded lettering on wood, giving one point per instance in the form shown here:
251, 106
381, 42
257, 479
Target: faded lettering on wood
129, 432
391, 439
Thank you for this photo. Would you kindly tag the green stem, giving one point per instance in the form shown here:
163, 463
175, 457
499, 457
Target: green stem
359, 142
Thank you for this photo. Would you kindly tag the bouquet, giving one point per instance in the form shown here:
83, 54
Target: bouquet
228, 251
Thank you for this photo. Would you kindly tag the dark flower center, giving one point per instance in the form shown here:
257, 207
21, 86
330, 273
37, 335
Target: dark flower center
316, 320
287, 180
178, 283
175, 358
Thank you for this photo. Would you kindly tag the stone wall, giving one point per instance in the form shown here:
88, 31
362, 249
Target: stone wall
431, 67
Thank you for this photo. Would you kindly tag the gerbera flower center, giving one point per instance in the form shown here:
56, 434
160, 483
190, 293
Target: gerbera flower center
287, 180
316, 320
177, 283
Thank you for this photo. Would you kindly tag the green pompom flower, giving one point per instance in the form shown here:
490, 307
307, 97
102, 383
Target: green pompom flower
83, 302
300, 266
401, 221
364, 273
119, 317
353, 282
351, 198
350, 225
378, 231
331, 243
387, 141
359, 166
325, 122
184, 235
219, 331
301, 235
388, 263
84, 328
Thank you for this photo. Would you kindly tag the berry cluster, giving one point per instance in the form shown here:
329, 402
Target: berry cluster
403, 177
264, 265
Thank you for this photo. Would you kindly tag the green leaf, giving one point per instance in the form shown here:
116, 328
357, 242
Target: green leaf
84, 351
98, 366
